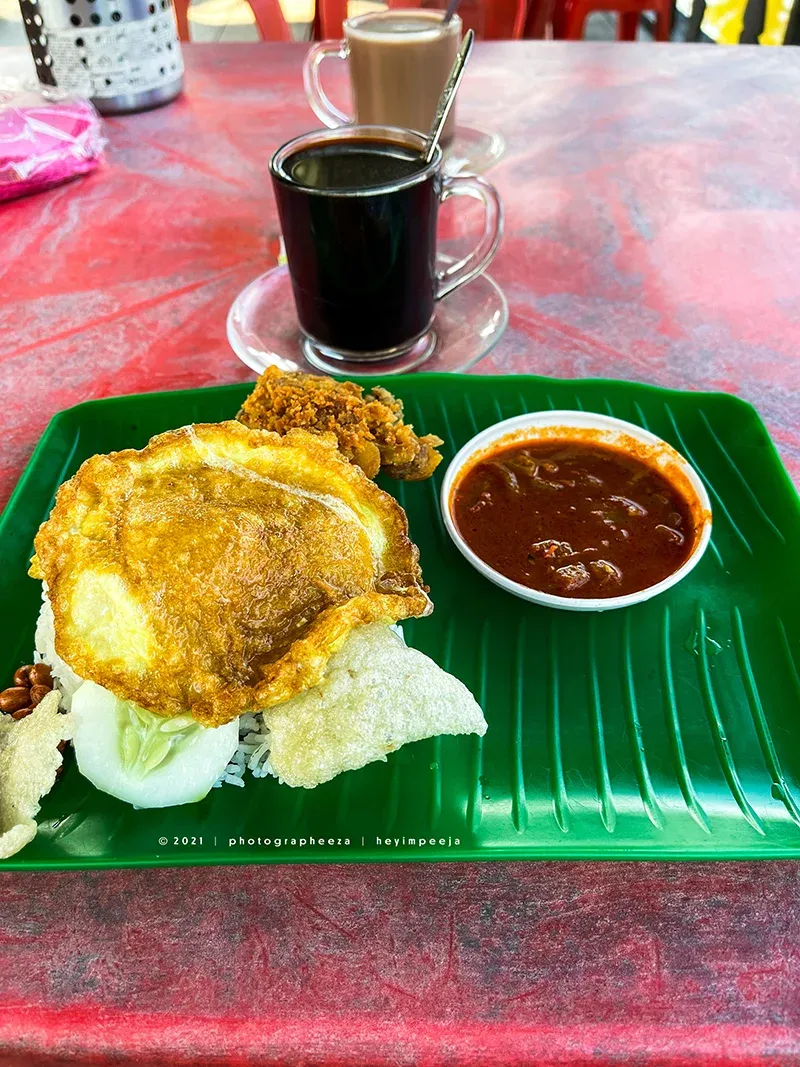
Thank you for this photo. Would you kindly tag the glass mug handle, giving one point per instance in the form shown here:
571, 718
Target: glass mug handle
479, 259
323, 108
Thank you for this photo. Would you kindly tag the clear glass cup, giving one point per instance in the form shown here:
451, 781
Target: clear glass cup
362, 261
398, 60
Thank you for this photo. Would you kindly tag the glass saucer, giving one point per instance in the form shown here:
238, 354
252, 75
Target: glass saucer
262, 330
473, 150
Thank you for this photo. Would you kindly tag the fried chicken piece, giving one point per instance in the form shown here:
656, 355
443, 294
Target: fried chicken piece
370, 429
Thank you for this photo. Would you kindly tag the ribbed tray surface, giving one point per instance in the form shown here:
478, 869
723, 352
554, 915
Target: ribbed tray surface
670, 730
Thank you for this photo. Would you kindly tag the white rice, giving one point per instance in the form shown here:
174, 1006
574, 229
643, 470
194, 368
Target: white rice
67, 681
252, 753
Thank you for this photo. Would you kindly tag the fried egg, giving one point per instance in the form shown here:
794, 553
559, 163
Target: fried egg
217, 570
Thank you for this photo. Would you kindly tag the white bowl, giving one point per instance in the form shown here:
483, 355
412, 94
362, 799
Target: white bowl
599, 429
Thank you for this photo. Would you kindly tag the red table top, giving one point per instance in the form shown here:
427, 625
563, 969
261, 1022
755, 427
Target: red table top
653, 219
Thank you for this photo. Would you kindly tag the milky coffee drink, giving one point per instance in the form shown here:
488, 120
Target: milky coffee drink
399, 63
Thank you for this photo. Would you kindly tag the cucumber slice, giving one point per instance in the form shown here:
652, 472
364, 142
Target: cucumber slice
142, 758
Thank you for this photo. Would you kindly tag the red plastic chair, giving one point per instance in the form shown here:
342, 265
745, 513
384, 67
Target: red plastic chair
492, 20
569, 17
538, 20
271, 24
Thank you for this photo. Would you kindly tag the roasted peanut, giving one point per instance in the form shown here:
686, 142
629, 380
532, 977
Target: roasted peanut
22, 675
15, 698
38, 693
20, 713
40, 674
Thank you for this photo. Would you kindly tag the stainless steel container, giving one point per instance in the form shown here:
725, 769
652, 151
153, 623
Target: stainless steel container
124, 55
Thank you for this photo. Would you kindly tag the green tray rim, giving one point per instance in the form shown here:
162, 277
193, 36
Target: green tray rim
370, 855
712, 395
367, 856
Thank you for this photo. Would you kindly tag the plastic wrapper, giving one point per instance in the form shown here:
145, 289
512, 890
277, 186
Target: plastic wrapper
45, 139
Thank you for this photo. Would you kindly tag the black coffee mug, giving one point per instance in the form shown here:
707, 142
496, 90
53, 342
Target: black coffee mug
358, 208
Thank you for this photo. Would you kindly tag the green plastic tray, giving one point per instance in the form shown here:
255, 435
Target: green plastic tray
667, 731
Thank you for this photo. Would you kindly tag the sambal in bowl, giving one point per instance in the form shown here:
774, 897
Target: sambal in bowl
576, 510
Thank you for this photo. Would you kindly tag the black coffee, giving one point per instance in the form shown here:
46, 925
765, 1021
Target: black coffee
360, 237
352, 165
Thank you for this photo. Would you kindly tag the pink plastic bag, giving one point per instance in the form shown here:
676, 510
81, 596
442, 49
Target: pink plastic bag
45, 140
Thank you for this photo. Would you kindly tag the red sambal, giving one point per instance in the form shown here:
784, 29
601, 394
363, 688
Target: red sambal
574, 519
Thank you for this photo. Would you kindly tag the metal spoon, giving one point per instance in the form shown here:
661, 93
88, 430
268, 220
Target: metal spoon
452, 7
448, 95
